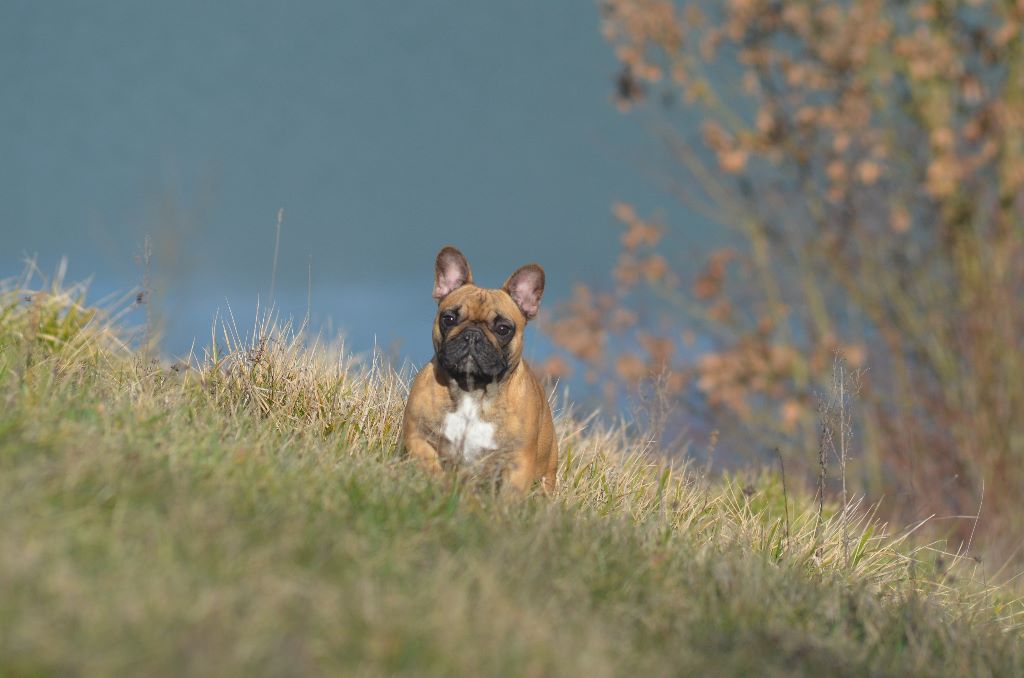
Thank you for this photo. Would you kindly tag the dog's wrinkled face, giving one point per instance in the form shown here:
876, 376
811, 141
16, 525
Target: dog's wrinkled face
478, 333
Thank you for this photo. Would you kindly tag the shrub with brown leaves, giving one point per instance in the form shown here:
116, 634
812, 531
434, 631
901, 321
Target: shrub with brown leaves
868, 160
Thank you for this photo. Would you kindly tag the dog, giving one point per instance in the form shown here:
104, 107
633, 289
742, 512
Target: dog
477, 400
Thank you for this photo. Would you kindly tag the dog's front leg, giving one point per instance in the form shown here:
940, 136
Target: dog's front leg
421, 450
520, 474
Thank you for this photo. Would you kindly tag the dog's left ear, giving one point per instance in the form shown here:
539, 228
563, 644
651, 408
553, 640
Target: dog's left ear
526, 286
451, 271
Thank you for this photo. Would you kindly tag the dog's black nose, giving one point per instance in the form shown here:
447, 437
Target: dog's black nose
473, 335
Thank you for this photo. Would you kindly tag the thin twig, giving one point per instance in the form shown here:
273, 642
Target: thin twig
146, 295
977, 516
840, 369
785, 495
309, 292
277, 249
825, 435
712, 444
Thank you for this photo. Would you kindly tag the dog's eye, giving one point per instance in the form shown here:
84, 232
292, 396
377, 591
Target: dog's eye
448, 320
503, 329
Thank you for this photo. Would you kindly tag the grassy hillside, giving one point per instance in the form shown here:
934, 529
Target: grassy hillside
247, 514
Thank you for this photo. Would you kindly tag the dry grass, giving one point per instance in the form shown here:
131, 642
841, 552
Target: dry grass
245, 511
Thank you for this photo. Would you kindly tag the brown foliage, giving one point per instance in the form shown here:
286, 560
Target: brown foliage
870, 158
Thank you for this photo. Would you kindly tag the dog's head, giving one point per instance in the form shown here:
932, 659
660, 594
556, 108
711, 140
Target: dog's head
478, 332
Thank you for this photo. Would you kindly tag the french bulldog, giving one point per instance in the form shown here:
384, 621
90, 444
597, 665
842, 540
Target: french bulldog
477, 400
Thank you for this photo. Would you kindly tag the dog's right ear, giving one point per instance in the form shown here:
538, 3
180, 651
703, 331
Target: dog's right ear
451, 271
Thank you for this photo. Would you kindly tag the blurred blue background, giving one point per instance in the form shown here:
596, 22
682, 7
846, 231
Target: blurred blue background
384, 130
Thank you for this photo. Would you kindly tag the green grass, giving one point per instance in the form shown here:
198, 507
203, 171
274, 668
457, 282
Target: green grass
249, 515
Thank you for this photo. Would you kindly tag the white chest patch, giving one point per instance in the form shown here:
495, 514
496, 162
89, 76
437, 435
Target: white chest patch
470, 436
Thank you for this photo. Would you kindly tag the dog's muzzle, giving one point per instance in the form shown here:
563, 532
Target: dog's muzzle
470, 355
